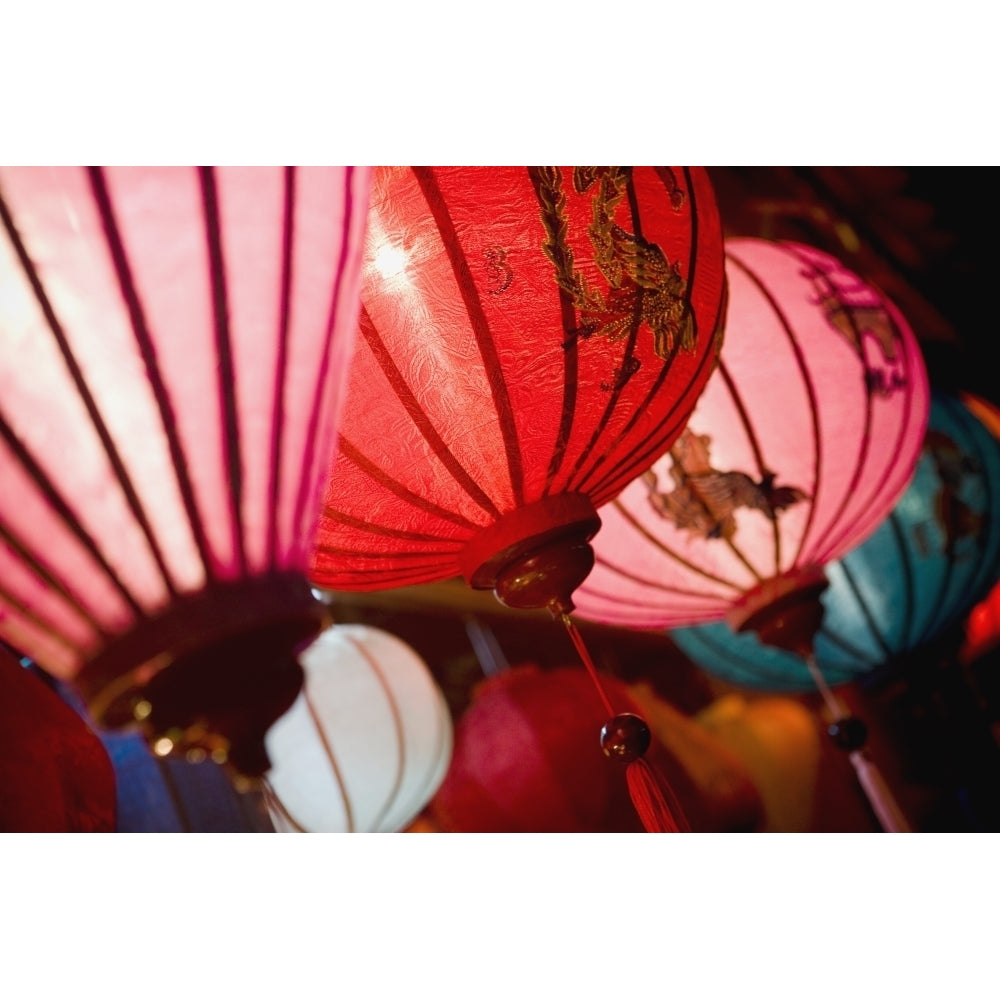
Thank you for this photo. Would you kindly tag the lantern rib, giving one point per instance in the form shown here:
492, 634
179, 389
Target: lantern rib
906, 573
480, 327
828, 540
570, 358
303, 529
763, 674
654, 441
420, 418
432, 777
385, 531
332, 757
147, 351
226, 372
631, 462
45, 573
863, 663
11, 600
360, 580
433, 557
667, 551
378, 475
891, 469
679, 412
870, 621
397, 723
722, 372
663, 588
275, 805
55, 500
281, 365
87, 398
618, 385
810, 391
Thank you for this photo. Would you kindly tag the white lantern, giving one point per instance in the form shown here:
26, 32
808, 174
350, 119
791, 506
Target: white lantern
366, 744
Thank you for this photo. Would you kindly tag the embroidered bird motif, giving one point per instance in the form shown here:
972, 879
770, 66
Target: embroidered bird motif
705, 500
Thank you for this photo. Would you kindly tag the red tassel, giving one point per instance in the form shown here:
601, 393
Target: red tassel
646, 791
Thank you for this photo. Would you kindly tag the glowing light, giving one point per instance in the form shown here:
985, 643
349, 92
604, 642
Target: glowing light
163, 746
390, 261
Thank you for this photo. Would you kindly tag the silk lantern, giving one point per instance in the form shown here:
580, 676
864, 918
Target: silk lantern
804, 439
367, 742
173, 345
907, 585
165, 794
55, 775
530, 339
982, 625
526, 761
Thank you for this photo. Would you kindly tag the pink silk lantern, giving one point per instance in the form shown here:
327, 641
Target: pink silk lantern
173, 347
804, 439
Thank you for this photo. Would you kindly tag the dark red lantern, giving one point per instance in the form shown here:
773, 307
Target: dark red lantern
55, 774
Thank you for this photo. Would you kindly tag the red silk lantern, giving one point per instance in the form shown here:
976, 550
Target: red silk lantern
803, 441
531, 338
526, 761
174, 343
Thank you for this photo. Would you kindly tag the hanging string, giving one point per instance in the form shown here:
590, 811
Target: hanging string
833, 703
878, 793
647, 788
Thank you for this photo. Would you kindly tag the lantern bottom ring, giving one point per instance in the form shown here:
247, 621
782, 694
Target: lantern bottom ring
785, 610
536, 555
210, 675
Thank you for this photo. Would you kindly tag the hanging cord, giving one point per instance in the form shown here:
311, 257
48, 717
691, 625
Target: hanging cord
630, 737
879, 796
484, 642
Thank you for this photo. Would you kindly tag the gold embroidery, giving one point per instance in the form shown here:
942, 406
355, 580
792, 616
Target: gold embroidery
957, 520
500, 270
642, 284
704, 500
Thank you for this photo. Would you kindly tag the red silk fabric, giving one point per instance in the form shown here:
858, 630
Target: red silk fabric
526, 333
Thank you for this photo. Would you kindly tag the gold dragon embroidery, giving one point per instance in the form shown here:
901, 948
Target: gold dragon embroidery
642, 284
